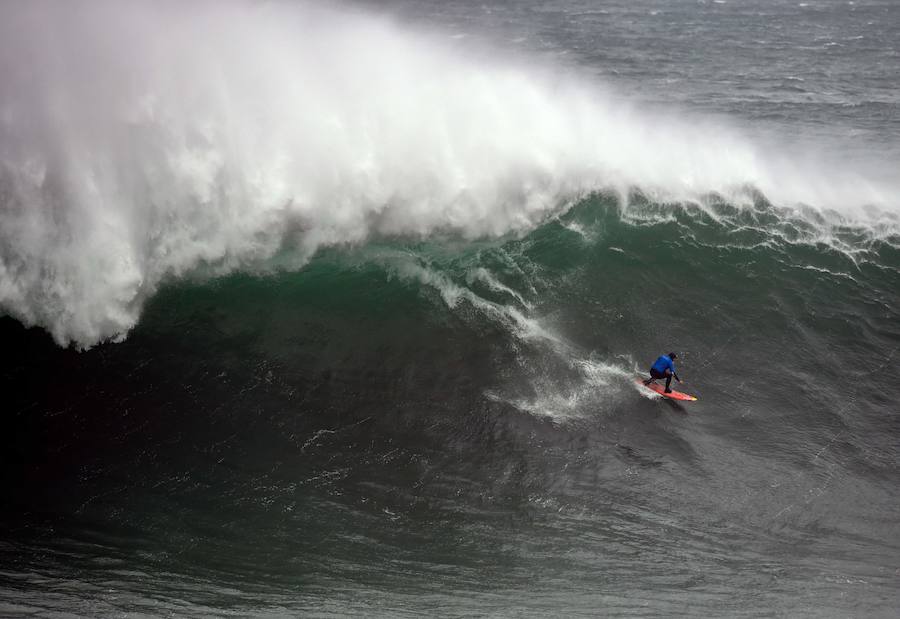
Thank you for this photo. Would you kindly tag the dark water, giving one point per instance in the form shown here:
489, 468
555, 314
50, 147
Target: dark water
436, 425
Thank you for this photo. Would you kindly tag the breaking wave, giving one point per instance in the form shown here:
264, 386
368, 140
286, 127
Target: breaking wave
140, 144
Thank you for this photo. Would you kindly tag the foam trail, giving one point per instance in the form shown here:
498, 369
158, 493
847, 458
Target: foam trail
140, 142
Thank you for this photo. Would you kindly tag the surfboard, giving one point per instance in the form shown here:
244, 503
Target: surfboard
661, 390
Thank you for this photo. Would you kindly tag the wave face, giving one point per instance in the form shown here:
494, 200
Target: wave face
247, 133
461, 415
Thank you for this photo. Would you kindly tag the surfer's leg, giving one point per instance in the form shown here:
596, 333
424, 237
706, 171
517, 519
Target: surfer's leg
668, 381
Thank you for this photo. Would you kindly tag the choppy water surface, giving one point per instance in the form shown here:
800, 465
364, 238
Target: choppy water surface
338, 311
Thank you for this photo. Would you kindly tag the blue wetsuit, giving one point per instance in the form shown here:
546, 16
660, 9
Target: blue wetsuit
664, 367
662, 364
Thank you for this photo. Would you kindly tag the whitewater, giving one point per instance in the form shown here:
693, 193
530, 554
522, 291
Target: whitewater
142, 144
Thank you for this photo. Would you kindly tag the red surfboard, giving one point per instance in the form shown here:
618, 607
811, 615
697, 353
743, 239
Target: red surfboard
675, 395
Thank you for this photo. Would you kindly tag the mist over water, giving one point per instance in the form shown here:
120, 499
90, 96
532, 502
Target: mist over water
142, 143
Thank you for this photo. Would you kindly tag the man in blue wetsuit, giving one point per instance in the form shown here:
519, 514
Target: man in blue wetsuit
664, 368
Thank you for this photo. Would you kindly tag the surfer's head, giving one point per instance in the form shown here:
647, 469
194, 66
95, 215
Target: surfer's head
672, 355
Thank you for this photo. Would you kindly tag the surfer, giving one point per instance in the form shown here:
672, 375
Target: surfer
664, 367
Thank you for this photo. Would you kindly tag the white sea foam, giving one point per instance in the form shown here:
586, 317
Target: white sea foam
513, 320
483, 275
143, 141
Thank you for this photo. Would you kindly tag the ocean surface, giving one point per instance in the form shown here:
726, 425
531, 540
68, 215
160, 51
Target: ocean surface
314, 309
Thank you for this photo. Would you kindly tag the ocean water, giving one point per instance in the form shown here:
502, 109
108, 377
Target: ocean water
336, 310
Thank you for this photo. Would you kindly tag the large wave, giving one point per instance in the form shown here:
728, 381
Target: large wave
143, 142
